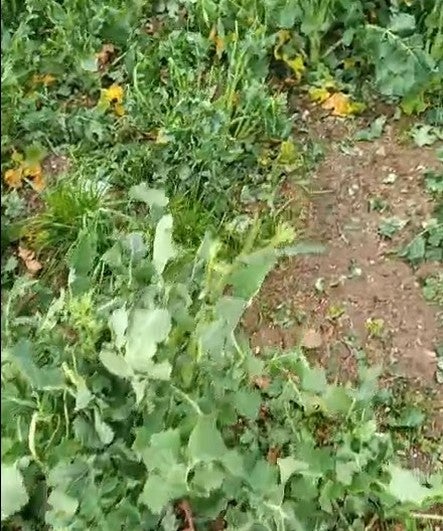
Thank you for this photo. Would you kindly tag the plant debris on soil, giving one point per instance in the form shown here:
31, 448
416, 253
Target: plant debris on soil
360, 279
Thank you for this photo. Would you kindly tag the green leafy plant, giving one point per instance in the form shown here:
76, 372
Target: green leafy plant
118, 403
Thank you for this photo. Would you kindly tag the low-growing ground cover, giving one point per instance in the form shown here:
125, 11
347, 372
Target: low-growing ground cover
221, 265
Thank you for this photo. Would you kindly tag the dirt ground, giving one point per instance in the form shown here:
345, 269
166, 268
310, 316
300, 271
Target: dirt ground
358, 294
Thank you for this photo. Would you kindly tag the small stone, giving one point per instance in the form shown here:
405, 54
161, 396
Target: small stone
312, 339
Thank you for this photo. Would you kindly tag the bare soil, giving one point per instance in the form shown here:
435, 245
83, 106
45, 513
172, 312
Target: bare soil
358, 294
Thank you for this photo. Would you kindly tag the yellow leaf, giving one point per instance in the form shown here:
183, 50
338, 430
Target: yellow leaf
318, 95
13, 178
218, 40
28, 257
283, 36
43, 79
48, 79
349, 63
17, 157
119, 109
296, 64
288, 153
113, 94
32, 170
219, 45
212, 33
38, 183
341, 105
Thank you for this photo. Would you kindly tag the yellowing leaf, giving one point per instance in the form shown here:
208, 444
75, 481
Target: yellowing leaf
17, 157
32, 170
288, 153
28, 257
218, 40
318, 95
341, 105
119, 109
349, 63
296, 64
43, 79
38, 183
35, 173
48, 79
283, 36
13, 177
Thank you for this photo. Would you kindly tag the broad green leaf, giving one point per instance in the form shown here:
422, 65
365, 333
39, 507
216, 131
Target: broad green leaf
263, 477
135, 245
163, 450
247, 403
314, 379
161, 489
104, 432
89, 63
345, 471
150, 196
207, 477
247, 279
115, 364
159, 371
146, 329
163, 245
402, 22
66, 472
62, 504
375, 130
415, 250
288, 466
233, 461
337, 400
13, 491
368, 383
205, 442
390, 226
405, 487
82, 256
45, 378
424, 135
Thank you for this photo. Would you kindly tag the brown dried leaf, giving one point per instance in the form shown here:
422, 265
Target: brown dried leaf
105, 54
262, 382
311, 339
185, 508
273, 455
28, 257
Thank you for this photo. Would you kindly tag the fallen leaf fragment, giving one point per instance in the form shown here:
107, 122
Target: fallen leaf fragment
262, 382
185, 508
318, 94
105, 54
340, 104
13, 177
273, 455
218, 40
43, 79
312, 339
28, 257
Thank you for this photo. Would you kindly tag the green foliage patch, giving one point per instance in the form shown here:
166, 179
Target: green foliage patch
128, 392
128, 389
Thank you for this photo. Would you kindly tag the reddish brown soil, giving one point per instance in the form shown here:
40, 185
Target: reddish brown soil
362, 277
